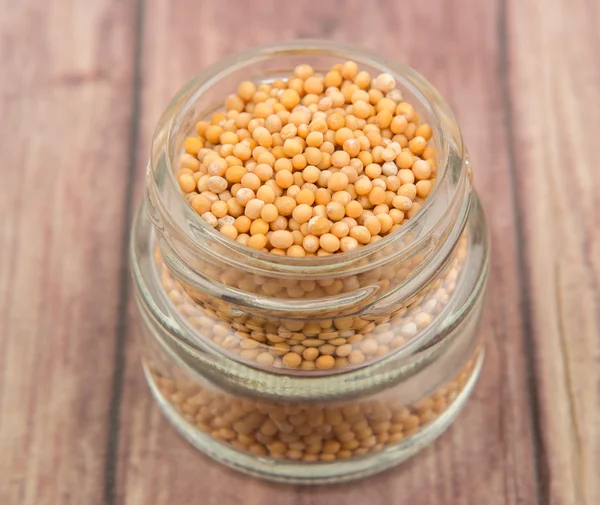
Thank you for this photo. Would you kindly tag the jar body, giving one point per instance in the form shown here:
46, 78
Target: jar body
306, 434
384, 344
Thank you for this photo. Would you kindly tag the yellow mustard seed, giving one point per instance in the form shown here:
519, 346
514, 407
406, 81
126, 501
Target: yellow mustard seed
291, 147
404, 160
353, 209
335, 121
340, 159
235, 173
361, 234
296, 251
338, 181
219, 208
421, 169
408, 190
314, 84
192, 145
303, 71
325, 362
348, 244
335, 211
362, 79
340, 229
385, 82
213, 134
405, 109
251, 181
329, 242
373, 225
259, 227
257, 241
289, 98
424, 188
417, 145
229, 231
318, 226
333, 79
253, 208
284, 178
305, 196
269, 213
285, 205
201, 204
281, 239
310, 243
402, 203
246, 90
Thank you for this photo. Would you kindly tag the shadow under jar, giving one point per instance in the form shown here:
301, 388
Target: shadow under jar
386, 334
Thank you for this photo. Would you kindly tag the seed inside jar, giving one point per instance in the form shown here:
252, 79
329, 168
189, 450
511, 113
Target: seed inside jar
307, 431
311, 165
310, 344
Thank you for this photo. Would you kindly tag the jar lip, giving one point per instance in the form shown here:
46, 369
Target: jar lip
409, 78
151, 296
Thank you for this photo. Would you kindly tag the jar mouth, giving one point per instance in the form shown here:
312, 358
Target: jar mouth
442, 197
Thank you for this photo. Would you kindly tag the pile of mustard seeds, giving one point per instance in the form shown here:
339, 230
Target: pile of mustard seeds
308, 432
312, 165
316, 343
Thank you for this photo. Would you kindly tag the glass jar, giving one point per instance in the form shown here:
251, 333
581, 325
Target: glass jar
309, 369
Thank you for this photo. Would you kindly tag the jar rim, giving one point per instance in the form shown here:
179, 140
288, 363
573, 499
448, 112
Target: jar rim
154, 301
451, 148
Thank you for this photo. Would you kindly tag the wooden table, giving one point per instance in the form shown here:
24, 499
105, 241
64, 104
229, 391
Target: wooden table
82, 86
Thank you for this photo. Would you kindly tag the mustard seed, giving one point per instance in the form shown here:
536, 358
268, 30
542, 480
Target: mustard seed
421, 170
424, 188
266, 194
361, 234
254, 208
310, 243
257, 241
338, 181
373, 225
335, 121
385, 82
284, 179
329, 242
402, 203
292, 360
282, 239
313, 84
269, 213
318, 226
187, 183
291, 147
353, 209
325, 362
201, 204
408, 190
246, 90
296, 251
305, 196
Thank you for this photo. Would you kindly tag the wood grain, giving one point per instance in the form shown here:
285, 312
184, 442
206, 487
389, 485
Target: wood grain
488, 456
79, 98
65, 103
554, 79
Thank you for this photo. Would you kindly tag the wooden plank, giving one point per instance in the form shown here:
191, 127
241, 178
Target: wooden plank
554, 84
488, 456
65, 102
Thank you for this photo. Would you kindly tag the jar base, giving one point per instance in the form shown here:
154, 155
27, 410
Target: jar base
315, 473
